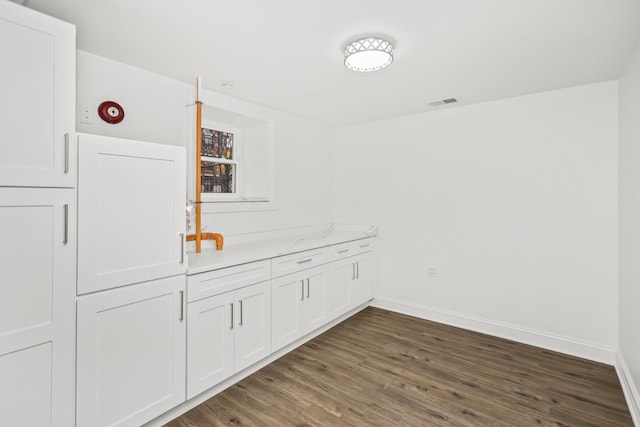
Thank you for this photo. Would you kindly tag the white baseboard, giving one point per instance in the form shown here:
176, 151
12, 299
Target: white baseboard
631, 392
571, 346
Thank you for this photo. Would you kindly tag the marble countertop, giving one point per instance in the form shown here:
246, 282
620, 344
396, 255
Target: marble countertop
246, 248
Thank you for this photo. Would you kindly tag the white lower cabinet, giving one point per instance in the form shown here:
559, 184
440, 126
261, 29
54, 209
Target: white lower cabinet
362, 284
298, 305
340, 275
349, 284
131, 353
37, 317
226, 334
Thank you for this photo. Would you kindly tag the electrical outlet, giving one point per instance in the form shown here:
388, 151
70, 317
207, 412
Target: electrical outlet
432, 271
86, 115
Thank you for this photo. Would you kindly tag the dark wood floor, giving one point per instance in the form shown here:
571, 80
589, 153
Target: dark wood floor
380, 368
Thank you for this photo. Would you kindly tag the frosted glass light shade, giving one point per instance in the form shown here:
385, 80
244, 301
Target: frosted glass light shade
368, 54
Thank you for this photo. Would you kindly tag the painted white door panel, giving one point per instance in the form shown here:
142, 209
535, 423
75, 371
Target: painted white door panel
253, 324
338, 293
288, 294
131, 353
315, 312
210, 338
362, 285
38, 98
26, 387
131, 200
38, 282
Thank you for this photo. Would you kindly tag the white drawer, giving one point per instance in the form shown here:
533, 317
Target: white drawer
345, 250
287, 264
216, 282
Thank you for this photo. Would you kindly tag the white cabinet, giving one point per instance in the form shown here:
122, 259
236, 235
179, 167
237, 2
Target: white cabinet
131, 204
38, 98
340, 275
349, 283
37, 261
210, 340
227, 333
131, 353
37, 225
299, 305
362, 284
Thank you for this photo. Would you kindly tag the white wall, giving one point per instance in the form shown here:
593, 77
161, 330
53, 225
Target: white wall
154, 105
156, 110
629, 111
514, 202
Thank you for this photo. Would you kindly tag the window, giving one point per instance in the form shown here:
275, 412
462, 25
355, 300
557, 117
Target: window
219, 162
236, 159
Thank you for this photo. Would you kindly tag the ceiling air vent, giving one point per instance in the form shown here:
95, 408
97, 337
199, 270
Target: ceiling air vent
443, 102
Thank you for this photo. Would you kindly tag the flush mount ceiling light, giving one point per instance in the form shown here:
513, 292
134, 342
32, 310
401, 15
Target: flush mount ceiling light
368, 54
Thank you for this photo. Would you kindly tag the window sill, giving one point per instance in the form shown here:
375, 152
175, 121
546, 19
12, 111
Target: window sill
239, 204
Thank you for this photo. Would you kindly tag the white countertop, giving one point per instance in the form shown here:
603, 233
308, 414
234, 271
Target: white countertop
246, 248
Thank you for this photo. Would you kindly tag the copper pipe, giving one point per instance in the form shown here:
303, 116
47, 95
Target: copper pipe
209, 236
198, 174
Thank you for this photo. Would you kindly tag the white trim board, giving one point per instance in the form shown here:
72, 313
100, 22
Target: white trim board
631, 392
571, 346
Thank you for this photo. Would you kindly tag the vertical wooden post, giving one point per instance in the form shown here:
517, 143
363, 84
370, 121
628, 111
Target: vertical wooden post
198, 167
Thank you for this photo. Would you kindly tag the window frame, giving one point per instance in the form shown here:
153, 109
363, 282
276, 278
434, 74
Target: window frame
252, 124
236, 161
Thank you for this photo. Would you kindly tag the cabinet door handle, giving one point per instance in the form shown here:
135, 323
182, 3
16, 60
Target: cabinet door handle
181, 318
181, 248
241, 314
358, 270
305, 261
343, 251
353, 271
231, 325
308, 292
65, 236
302, 290
66, 153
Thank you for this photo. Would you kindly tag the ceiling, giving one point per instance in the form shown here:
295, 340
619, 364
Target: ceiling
287, 54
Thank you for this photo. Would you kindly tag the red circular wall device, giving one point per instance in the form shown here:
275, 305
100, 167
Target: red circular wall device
111, 112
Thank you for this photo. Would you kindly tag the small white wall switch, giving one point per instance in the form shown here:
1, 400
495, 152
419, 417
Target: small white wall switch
86, 115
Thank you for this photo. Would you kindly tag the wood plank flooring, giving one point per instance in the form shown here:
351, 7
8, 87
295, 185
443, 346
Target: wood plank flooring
380, 368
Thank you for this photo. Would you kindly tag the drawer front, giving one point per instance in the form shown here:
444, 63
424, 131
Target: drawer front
345, 250
215, 282
288, 264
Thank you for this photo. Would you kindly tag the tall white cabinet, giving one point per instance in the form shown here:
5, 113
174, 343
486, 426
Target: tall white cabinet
131, 333
37, 105
37, 219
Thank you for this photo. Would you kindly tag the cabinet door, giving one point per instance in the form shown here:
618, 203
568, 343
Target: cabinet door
37, 316
287, 304
362, 285
131, 353
314, 307
210, 341
253, 324
37, 105
338, 293
131, 198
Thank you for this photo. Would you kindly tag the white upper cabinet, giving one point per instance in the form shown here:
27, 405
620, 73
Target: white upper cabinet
37, 87
131, 212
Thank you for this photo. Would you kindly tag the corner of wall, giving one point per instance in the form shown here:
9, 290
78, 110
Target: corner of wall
629, 388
